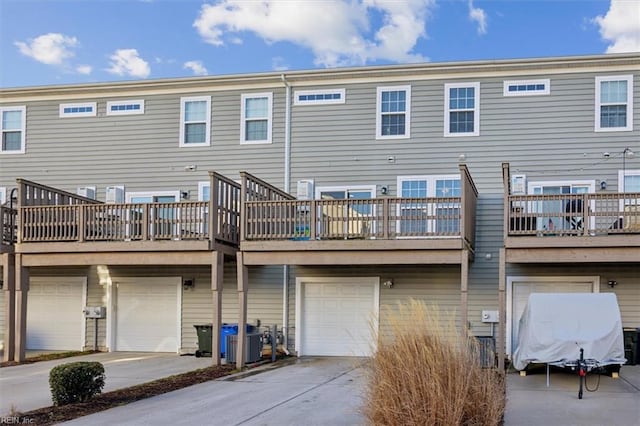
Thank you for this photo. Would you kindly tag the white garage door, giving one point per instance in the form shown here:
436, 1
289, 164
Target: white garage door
333, 316
55, 320
147, 314
521, 289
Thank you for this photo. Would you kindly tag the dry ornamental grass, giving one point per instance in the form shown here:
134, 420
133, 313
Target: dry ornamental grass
425, 372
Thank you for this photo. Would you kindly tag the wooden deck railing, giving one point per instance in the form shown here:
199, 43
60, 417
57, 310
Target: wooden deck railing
8, 224
271, 214
51, 215
587, 214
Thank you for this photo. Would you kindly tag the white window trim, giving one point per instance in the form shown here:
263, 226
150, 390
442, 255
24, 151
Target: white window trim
511, 280
545, 81
126, 112
298, 93
476, 109
243, 98
183, 101
407, 112
131, 195
622, 174
201, 189
23, 129
93, 113
598, 104
3, 194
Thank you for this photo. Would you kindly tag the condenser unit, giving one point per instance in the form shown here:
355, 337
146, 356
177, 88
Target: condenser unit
252, 348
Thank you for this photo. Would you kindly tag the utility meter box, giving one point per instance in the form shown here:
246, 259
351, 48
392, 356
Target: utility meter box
95, 312
490, 316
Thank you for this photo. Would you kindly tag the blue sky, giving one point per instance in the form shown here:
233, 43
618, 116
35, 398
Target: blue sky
44, 42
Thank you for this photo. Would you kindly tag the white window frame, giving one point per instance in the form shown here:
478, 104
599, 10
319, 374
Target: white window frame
3, 194
535, 92
243, 120
183, 122
126, 112
92, 113
23, 129
298, 93
407, 111
476, 109
621, 176
431, 188
629, 102
202, 188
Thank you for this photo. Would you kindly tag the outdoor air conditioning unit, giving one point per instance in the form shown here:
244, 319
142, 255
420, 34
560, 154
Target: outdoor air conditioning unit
115, 194
252, 348
87, 192
518, 185
304, 189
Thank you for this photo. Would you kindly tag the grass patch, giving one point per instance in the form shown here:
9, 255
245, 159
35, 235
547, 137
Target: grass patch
424, 372
56, 414
47, 357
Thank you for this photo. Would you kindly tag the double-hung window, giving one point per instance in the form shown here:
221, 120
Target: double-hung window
614, 103
462, 109
256, 118
429, 206
393, 112
13, 130
195, 121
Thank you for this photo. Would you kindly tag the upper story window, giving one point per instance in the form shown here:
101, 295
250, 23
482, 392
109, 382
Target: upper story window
614, 103
86, 109
256, 118
527, 87
13, 130
462, 109
319, 97
393, 112
195, 121
125, 107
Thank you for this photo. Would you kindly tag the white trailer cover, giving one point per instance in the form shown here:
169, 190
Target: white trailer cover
554, 326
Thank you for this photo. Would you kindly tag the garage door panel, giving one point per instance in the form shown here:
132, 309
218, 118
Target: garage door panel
147, 315
55, 319
335, 317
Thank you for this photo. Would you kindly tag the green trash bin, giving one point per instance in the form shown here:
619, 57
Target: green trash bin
205, 337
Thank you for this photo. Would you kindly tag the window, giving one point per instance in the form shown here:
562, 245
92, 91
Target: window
319, 97
256, 118
3, 195
346, 219
87, 109
163, 219
629, 181
462, 109
422, 217
13, 130
527, 87
125, 107
393, 112
195, 121
614, 103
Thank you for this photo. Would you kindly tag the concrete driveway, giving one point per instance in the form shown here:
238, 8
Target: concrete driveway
312, 391
26, 387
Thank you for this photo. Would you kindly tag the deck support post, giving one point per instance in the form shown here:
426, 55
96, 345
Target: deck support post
217, 279
464, 295
243, 287
9, 288
22, 290
502, 311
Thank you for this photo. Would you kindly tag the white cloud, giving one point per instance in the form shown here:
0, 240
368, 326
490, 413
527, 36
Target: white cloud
50, 49
478, 15
278, 64
128, 62
196, 67
84, 69
337, 31
621, 26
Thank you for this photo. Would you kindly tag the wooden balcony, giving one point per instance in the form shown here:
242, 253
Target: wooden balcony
54, 222
589, 227
278, 229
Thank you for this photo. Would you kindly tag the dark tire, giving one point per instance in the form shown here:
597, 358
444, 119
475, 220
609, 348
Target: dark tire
198, 354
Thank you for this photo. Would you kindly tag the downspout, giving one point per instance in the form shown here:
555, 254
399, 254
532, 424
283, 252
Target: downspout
287, 188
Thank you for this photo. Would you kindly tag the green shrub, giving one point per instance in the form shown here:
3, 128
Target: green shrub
424, 372
75, 382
